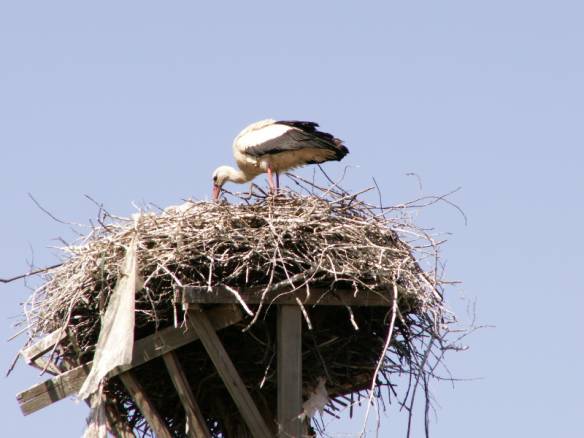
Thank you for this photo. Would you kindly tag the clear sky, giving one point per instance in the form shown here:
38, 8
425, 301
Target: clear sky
140, 100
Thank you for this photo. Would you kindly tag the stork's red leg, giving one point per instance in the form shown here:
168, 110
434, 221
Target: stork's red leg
271, 180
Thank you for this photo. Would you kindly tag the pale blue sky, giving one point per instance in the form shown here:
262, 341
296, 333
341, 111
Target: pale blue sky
139, 101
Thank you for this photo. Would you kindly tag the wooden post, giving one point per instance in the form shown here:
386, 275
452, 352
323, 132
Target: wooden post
289, 370
200, 323
145, 405
196, 425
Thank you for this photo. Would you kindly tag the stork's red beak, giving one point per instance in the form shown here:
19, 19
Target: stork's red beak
216, 192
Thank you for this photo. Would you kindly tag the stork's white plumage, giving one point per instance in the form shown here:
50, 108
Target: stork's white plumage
271, 146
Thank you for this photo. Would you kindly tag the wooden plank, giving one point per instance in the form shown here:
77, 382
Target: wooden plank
199, 321
53, 390
196, 425
116, 425
46, 366
289, 359
317, 296
44, 345
148, 410
145, 349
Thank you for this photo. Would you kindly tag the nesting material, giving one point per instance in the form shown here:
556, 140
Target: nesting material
331, 240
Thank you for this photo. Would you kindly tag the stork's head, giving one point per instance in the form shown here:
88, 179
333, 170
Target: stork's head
227, 173
220, 176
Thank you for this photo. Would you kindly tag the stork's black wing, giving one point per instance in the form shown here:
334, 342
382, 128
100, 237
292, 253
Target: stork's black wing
302, 135
309, 128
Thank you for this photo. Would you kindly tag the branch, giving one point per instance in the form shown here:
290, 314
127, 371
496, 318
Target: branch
28, 274
52, 216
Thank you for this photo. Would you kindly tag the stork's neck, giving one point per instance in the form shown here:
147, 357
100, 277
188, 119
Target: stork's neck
237, 176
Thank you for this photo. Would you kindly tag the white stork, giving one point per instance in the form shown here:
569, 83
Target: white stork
275, 146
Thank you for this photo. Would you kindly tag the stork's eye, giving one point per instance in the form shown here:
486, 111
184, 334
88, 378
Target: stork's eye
215, 178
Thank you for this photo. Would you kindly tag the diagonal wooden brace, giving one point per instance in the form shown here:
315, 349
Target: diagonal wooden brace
199, 321
150, 413
196, 425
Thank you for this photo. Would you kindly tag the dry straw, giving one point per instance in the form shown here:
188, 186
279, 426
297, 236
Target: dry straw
308, 238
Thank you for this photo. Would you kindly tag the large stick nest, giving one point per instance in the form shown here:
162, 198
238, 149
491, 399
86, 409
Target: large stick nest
332, 240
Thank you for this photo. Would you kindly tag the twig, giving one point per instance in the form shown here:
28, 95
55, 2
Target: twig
418, 178
47, 211
29, 274
382, 356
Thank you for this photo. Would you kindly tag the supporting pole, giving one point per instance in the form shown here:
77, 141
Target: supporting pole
199, 321
289, 370
116, 425
196, 425
150, 413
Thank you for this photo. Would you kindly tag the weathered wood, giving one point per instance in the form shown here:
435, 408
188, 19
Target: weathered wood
116, 425
196, 425
289, 359
44, 365
44, 345
145, 349
199, 321
317, 296
53, 390
148, 410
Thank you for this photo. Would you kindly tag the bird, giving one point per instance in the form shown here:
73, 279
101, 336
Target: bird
271, 146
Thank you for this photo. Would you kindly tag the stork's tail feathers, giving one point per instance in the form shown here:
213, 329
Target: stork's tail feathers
341, 149
327, 140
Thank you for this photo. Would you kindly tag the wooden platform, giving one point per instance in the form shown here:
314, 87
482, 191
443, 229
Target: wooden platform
202, 326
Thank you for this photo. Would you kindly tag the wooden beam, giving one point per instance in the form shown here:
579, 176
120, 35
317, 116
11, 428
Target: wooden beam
148, 410
199, 321
42, 364
116, 425
317, 296
289, 359
52, 390
196, 424
145, 349
44, 345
